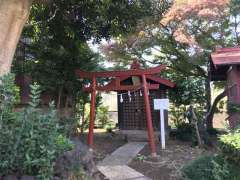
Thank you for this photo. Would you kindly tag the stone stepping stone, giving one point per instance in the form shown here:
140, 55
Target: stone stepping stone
122, 172
124, 154
115, 166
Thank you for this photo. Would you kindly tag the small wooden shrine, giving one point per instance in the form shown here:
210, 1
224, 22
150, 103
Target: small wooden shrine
225, 66
131, 111
129, 82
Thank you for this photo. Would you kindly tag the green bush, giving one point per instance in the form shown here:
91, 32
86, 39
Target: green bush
30, 140
186, 132
210, 167
213, 131
225, 166
102, 116
69, 126
199, 169
233, 107
177, 115
230, 146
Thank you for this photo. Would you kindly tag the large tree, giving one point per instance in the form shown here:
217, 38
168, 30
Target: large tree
184, 35
13, 16
98, 19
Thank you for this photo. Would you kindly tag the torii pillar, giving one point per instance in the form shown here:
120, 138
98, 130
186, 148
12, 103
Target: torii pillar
92, 114
149, 117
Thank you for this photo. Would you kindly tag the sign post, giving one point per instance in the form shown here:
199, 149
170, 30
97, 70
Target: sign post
162, 104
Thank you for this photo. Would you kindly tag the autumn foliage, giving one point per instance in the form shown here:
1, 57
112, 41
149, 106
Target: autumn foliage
184, 12
183, 9
187, 21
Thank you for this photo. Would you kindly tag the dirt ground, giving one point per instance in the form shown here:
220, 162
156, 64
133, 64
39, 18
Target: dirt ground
169, 161
104, 144
165, 167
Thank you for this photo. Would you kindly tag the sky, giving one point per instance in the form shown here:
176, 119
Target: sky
95, 48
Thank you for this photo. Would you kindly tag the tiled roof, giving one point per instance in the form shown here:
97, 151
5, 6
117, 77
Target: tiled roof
226, 56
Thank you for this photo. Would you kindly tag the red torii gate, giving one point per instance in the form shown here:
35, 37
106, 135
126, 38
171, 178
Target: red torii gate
115, 85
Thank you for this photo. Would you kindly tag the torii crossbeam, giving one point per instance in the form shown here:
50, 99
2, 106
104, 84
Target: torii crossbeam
115, 85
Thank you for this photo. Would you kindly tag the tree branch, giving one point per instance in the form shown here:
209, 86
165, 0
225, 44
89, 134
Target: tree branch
209, 115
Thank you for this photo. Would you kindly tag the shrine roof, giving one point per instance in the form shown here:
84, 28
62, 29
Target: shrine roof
226, 56
150, 77
221, 60
153, 78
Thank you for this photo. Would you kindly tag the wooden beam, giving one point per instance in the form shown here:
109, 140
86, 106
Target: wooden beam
132, 72
114, 83
120, 88
161, 81
117, 82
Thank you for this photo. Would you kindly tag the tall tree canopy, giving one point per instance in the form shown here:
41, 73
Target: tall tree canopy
98, 19
57, 33
183, 36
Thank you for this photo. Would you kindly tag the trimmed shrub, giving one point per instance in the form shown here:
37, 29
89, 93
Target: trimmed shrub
199, 169
230, 147
210, 167
186, 132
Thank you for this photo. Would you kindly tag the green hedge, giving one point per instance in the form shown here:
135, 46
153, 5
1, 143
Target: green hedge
230, 147
210, 167
199, 169
225, 166
186, 132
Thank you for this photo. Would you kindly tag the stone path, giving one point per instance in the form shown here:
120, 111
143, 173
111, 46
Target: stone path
115, 166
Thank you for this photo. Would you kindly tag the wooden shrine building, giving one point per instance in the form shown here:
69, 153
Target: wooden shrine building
135, 111
225, 66
131, 111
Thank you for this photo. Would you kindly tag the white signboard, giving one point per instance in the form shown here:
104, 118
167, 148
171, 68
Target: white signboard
161, 104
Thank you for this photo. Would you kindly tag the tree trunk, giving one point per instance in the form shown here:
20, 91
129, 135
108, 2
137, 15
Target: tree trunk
210, 114
66, 109
13, 16
83, 118
194, 120
59, 98
209, 121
